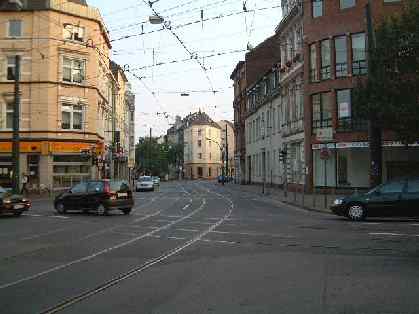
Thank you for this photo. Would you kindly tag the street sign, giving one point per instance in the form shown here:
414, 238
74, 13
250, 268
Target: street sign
325, 153
324, 134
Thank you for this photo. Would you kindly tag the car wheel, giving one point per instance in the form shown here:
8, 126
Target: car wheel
60, 208
126, 211
101, 210
356, 212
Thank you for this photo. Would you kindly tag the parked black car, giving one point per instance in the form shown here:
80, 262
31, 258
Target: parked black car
101, 196
13, 204
399, 198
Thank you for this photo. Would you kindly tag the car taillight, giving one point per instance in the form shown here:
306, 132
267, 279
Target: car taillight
107, 189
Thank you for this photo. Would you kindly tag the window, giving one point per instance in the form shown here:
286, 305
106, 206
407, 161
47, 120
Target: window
79, 188
413, 186
344, 103
73, 32
15, 28
72, 117
200, 156
9, 115
95, 187
199, 143
325, 61
209, 172
273, 120
344, 4
342, 169
200, 132
322, 111
359, 58
74, 70
341, 56
313, 63
210, 156
317, 7
392, 187
11, 68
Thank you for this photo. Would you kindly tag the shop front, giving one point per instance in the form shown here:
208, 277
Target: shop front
345, 165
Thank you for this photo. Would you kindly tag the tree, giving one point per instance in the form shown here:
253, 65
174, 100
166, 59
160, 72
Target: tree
389, 98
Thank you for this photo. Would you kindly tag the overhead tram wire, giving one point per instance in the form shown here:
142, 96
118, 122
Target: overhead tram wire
191, 54
194, 22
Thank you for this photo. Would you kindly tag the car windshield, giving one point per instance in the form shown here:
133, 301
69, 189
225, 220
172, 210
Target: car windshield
145, 179
2, 190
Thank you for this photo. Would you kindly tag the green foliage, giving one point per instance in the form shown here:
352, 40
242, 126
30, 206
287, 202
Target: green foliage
154, 159
391, 93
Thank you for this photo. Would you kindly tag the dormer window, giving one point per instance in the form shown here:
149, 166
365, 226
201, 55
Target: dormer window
73, 32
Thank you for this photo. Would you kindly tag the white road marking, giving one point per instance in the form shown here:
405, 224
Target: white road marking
186, 207
393, 234
255, 234
163, 220
107, 250
46, 216
172, 216
416, 225
217, 241
59, 217
33, 215
148, 216
176, 238
188, 230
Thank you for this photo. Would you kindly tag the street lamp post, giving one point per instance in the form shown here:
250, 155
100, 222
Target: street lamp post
222, 157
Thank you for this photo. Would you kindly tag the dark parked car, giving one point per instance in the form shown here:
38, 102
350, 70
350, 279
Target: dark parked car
101, 196
12, 204
399, 198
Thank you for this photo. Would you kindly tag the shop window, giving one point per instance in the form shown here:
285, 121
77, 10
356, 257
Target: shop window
359, 57
72, 117
325, 60
74, 70
322, 111
9, 115
341, 53
342, 169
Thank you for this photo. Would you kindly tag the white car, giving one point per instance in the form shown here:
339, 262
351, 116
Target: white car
156, 180
144, 184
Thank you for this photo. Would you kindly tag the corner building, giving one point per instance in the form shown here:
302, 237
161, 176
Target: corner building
335, 38
65, 90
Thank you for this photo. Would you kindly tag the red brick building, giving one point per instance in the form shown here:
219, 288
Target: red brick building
258, 61
335, 40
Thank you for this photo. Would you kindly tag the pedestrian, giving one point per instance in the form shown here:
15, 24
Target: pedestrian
24, 183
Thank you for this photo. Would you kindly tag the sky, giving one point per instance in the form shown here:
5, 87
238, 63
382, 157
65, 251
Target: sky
199, 63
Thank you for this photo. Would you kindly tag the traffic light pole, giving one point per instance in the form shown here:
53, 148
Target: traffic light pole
16, 127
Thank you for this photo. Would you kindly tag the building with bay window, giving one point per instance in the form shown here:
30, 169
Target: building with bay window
66, 91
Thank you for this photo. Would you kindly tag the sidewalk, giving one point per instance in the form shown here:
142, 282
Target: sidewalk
314, 202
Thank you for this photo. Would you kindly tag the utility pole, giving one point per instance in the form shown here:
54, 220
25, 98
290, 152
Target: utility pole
16, 136
374, 130
113, 150
149, 152
226, 131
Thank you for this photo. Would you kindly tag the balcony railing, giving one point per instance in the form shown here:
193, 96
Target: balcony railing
359, 67
341, 69
325, 72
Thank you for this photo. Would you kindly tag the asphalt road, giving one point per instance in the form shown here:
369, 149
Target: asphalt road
197, 247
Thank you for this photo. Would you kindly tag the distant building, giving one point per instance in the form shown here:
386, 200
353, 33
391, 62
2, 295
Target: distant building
202, 147
229, 127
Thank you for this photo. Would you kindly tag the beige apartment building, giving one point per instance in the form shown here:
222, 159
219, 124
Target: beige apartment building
202, 147
227, 129
67, 92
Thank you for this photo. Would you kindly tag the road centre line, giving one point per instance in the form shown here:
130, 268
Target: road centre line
148, 216
107, 250
255, 234
39, 235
